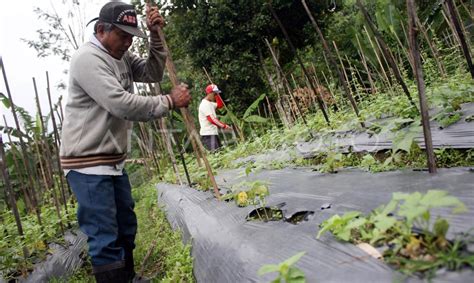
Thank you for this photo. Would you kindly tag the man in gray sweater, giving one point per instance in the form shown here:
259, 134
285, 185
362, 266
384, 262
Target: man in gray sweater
97, 129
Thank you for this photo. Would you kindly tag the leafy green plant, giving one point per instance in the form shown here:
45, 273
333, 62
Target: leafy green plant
405, 225
286, 271
332, 163
248, 193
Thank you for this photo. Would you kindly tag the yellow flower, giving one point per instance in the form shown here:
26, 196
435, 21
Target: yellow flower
242, 199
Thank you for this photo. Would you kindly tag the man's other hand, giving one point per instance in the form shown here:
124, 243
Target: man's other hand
180, 96
154, 20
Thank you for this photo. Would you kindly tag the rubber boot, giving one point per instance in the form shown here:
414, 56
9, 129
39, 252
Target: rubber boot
129, 266
112, 276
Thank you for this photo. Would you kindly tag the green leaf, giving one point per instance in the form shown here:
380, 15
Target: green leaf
384, 222
292, 260
253, 106
5, 100
255, 119
441, 227
268, 268
295, 275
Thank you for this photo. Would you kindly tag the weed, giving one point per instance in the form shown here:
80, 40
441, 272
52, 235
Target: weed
286, 271
421, 249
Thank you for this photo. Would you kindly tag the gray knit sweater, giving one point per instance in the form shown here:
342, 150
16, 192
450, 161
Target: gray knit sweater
101, 104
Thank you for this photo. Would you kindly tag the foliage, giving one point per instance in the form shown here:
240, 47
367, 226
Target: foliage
36, 239
222, 29
287, 272
248, 193
416, 244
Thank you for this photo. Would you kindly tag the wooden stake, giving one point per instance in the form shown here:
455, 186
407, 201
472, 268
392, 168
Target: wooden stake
10, 195
335, 67
187, 116
293, 49
386, 52
460, 35
425, 118
57, 143
28, 201
29, 170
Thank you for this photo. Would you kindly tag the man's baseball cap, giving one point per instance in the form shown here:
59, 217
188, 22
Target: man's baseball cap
121, 15
212, 88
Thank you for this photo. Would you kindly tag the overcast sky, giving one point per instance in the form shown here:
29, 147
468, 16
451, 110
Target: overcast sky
22, 63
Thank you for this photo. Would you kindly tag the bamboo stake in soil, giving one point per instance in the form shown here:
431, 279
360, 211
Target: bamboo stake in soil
413, 32
386, 52
29, 203
433, 48
10, 195
187, 116
44, 142
293, 49
26, 162
57, 143
331, 59
460, 35
286, 85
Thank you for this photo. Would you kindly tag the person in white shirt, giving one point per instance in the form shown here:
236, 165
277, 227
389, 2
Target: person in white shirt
207, 118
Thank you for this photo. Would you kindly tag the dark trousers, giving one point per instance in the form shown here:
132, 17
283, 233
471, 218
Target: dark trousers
105, 214
212, 143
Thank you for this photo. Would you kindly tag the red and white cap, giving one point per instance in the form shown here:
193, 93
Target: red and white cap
212, 88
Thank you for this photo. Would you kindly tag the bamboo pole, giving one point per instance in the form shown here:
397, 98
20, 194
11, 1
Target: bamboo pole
413, 33
181, 153
387, 80
179, 144
26, 162
44, 143
293, 49
433, 48
57, 143
28, 201
285, 83
11, 196
460, 35
335, 67
187, 116
386, 52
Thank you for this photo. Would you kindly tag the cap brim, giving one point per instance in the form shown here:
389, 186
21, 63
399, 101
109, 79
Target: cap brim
131, 30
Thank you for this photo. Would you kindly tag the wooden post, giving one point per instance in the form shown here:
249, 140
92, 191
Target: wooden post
460, 35
57, 143
24, 153
413, 32
29, 203
10, 195
187, 116
293, 49
44, 143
